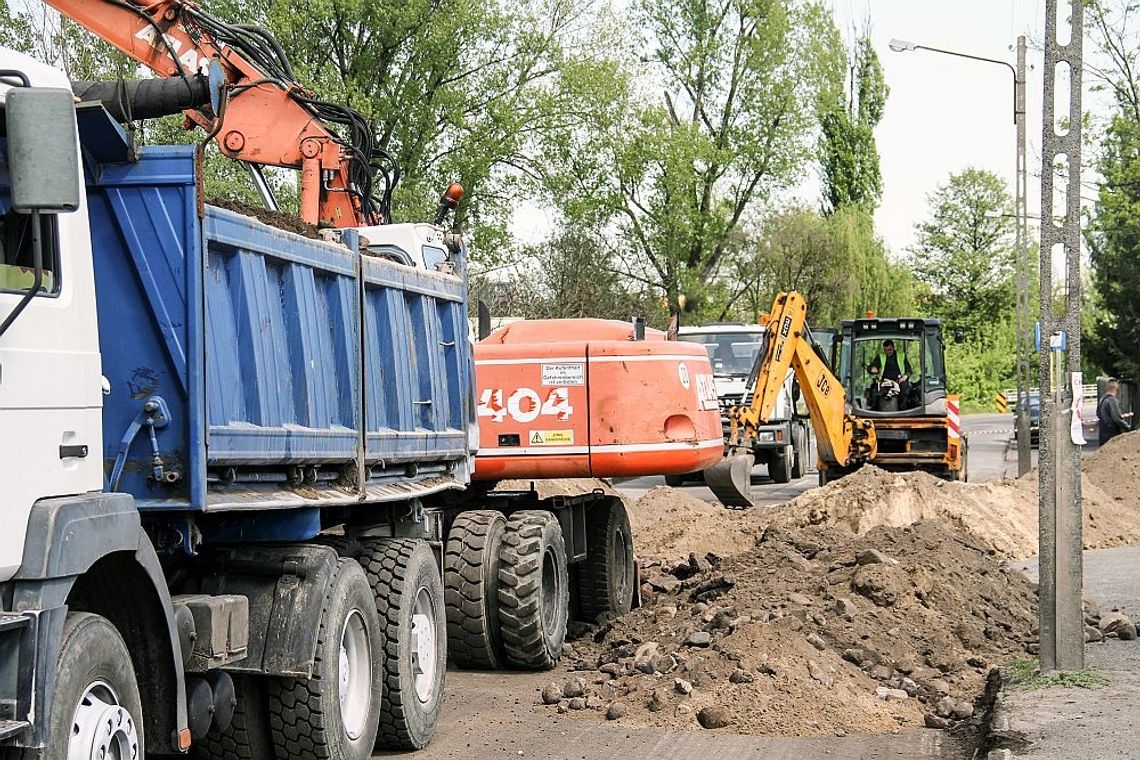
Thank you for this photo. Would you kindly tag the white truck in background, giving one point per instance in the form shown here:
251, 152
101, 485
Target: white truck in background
784, 444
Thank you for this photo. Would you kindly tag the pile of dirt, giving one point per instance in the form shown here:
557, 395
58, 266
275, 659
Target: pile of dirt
811, 631
1001, 513
669, 524
1115, 468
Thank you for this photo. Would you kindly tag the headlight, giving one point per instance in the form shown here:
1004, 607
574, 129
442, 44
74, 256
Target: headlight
766, 436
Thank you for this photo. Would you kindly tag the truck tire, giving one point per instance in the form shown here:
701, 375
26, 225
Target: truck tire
95, 683
335, 713
780, 466
534, 593
799, 452
470, 590
247, 737
409, 598
674, 481
605, 577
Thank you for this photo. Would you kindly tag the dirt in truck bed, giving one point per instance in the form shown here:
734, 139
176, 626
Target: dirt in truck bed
278, 219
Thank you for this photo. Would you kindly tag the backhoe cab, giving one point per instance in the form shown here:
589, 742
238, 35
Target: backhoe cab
894, 373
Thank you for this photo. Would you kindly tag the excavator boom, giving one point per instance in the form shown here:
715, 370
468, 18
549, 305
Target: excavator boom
266, 117
841, 437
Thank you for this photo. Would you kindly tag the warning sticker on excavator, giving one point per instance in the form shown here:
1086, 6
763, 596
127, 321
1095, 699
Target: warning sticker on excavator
563, 374
551, 437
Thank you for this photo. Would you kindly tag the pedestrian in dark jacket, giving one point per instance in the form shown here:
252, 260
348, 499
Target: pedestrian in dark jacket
1108, 414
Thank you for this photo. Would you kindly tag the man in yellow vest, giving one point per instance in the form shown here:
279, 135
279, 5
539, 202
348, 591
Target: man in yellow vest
887, 366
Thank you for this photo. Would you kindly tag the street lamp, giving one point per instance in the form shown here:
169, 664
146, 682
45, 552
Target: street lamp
1024, 457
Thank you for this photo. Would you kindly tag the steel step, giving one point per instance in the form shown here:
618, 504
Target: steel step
10, 621
10, 728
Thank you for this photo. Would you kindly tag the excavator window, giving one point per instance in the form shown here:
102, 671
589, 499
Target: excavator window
887, 373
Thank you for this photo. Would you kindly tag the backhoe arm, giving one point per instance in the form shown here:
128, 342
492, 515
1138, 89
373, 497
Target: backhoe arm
842, 439
268, 119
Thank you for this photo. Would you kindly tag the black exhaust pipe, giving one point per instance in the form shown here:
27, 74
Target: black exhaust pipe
134, 99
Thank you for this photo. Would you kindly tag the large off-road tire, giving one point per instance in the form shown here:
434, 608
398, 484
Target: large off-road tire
534, 593
780, 466
470, 583
605, 578
97, 710
409, 597
247, 737
335, 713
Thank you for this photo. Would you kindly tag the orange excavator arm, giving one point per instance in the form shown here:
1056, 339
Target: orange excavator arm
267, 117
842, 438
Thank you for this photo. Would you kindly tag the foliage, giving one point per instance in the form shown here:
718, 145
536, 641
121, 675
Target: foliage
1114, 246
849, 157
964, 253
983, 365
677, 174
837, 262
568, 277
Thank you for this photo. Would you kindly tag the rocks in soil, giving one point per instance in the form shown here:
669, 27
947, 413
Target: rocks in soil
1117, 624
713, 716
616, 711
699, 639
552, 694
575, 687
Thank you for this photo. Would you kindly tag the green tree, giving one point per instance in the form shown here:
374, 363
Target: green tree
964, 253
849, 157
458, 91
837, 262
677, 175
1114, 248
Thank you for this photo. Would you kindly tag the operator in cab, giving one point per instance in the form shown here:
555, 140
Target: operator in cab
890, 386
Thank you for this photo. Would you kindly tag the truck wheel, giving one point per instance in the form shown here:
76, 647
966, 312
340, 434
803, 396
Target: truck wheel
780, 466
470, 582
334, 713
605, 577
97, 712
247, 737
799, 450
674, 481
409, 597
534, 594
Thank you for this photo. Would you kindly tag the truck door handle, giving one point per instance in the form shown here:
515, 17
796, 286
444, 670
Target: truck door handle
78, 451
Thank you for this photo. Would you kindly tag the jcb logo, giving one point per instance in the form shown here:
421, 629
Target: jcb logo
823, 385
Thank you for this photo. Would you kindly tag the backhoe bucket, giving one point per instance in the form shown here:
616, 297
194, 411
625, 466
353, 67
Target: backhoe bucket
731, 480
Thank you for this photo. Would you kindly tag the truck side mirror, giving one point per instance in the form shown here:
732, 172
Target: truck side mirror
959, 335
43, 149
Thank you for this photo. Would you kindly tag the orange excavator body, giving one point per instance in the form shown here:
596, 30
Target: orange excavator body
575, 398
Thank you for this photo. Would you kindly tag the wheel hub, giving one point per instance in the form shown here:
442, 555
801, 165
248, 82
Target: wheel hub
423, 650
101, 729
354, 675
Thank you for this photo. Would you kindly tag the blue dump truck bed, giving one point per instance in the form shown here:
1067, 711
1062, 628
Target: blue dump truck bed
256, 369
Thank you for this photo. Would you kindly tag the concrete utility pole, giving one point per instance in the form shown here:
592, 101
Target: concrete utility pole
1024, 339
1062, 620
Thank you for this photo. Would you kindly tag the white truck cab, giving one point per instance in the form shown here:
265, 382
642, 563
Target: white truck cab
783, 444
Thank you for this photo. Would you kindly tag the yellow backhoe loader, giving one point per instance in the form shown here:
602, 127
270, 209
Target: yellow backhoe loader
888, 406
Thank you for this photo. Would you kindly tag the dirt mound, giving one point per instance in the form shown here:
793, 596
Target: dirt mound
1003, 513
669, 524
812, 631
1115, 468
